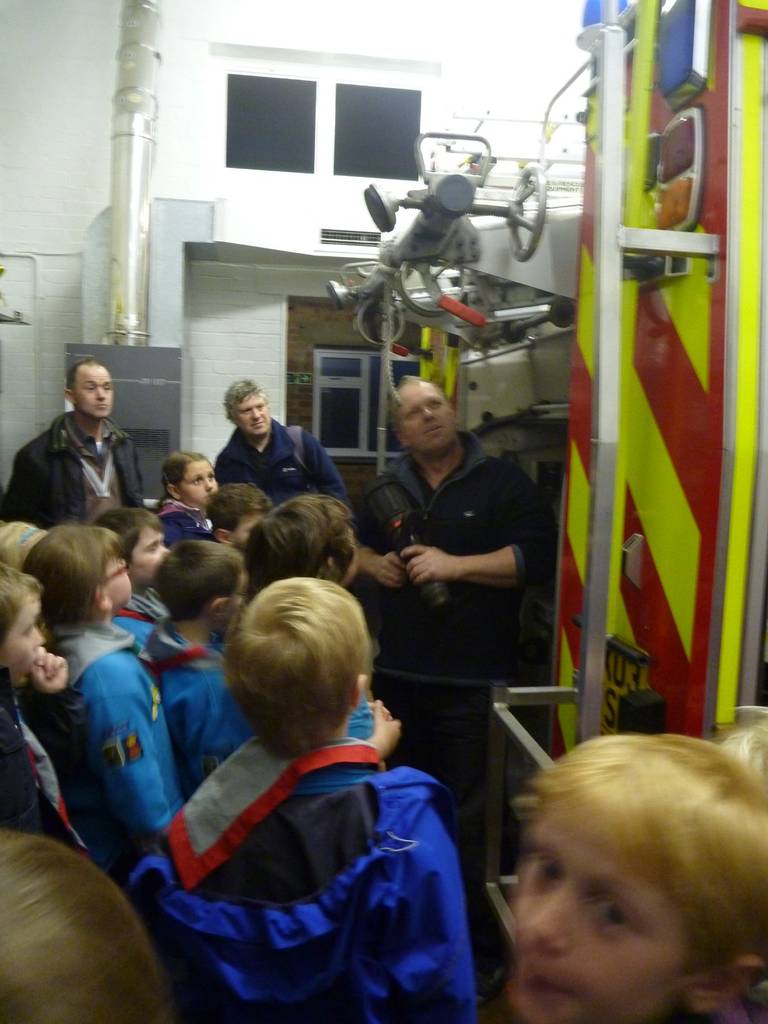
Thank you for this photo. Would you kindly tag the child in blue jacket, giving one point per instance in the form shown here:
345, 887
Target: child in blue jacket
125, 789
201, 585
302, 884
143, 547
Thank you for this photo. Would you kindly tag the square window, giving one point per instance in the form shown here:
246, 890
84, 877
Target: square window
376, 129
271, 123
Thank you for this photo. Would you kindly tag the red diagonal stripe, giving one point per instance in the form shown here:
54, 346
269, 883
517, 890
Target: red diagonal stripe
570, 606
688, 418
580, 422
570, 600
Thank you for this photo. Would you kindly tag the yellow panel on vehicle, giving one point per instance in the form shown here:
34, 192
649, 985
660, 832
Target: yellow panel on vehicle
688, 301
567, 714
586, 311
747, 370
670, 527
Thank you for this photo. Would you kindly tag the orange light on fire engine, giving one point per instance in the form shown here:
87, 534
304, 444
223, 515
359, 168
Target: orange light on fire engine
675, 203
680, 171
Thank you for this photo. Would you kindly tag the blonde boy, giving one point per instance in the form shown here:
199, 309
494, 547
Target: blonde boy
304, 885
640, 897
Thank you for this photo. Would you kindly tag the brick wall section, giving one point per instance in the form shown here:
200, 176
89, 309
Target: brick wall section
316, 323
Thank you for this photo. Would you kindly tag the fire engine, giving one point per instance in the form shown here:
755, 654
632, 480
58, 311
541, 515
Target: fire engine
604, 317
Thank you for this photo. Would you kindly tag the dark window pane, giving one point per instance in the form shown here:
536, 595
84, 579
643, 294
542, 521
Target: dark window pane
339, 366
270, 123
339, 417
375, 131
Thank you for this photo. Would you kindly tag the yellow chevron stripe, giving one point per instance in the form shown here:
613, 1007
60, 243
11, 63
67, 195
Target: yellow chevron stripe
688, 301
754, 5
670, 527
577, 524
636, 212
636, 205
749, 218
585, 326
426, 366
566, 713
591, 125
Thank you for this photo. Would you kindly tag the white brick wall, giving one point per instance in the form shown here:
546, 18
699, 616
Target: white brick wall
56, 82
234, 330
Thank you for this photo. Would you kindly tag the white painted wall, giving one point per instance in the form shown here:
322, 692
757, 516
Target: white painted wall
57, 77
237, 328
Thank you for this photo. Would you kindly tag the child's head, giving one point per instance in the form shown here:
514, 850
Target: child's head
234, 510
294, 662
19, 615
83, 573
188, 477
307, 536
73, 948
16, 539
141, 541
640, 888
200, 578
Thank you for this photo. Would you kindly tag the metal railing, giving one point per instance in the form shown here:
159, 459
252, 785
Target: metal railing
504, 726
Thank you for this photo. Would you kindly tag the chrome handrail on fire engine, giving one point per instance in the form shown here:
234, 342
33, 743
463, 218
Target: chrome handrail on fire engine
504, 726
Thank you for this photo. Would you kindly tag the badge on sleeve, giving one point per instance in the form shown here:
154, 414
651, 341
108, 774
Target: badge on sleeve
132, 746
156, 699
113, 752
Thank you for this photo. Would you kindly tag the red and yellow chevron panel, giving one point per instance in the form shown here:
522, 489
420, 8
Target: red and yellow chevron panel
671, 428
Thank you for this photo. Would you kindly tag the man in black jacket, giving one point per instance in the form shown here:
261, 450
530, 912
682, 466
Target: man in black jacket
452, 548
82, 465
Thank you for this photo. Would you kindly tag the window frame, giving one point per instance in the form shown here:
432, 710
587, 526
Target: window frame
363, 384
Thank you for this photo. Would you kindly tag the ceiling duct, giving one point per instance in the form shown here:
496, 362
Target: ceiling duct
134, 116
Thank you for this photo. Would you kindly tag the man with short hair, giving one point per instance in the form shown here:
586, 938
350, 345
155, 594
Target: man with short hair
282, 461
450, 587
82, 465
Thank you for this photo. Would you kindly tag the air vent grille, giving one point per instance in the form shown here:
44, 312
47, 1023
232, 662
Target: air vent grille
338, 236
154, 443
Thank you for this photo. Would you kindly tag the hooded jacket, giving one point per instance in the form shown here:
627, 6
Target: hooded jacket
127, 786
383, 942
182, 522
47, 486
204, 721
141, 615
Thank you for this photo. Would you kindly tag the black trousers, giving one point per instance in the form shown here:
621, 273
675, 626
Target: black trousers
445, 733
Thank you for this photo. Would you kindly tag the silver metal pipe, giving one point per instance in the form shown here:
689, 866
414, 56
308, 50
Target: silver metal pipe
134, 117
606, 386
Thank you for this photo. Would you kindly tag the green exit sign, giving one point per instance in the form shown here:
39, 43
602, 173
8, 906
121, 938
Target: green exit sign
299, 378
